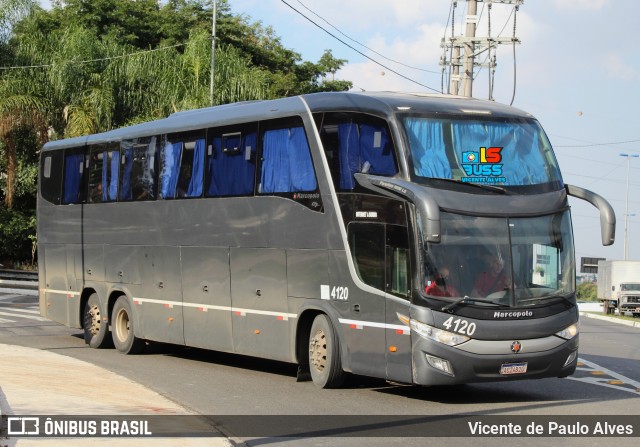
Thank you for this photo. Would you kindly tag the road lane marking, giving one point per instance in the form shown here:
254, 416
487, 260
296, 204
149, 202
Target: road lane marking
30, 317
28, 310
4, 320
598, 375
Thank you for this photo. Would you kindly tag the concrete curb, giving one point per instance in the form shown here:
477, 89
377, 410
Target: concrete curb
611, 320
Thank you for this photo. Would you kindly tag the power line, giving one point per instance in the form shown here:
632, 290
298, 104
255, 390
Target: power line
597, 144
22, 67
363, 45
515, 8
360, 52
600, 162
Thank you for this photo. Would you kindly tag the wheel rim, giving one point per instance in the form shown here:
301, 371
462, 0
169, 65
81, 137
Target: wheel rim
318, 351
93, 320
122, 325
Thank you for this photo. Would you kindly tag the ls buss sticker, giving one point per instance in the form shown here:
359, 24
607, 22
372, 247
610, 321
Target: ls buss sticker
483, 166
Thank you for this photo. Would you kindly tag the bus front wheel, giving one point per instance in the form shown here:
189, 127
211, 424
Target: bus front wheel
96, 328
122, 328
324, 354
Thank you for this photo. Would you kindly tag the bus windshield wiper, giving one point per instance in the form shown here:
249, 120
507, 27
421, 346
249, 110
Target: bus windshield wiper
537, 300
494, 188
469, 300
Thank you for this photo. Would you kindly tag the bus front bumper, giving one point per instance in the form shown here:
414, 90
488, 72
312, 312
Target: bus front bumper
438, 364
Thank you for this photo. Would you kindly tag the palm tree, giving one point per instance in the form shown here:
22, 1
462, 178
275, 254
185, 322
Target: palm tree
18, 110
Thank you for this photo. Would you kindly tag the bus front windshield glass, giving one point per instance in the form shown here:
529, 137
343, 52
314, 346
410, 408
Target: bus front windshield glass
502, 152
515, 262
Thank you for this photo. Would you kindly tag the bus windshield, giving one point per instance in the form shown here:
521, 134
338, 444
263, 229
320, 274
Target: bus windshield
512, 262
505, 152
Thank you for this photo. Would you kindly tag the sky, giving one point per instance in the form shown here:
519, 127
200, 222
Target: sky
577, 70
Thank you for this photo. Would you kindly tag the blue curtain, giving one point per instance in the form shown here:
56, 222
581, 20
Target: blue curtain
146, 182
125, 186
522, 162
276, 176
114, 166
195, 184
469, 136
105, 177
287, 165
302, 176
349, 154
427, 148
364, 147
376, 149
245, 180
110, 175
230, 173
215, 175
170, 169
73, 167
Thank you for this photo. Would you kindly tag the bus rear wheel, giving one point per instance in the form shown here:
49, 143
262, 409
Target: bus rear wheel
324, 354
96, 328
123, 330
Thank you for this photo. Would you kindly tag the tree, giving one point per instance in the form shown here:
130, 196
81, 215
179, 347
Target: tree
101, 64
11, 12
20, 111
587, 291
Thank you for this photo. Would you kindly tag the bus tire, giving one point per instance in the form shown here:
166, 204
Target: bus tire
96, 328
122, 328
324, 354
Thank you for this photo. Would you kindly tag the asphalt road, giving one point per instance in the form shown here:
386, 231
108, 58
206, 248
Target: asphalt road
607, 383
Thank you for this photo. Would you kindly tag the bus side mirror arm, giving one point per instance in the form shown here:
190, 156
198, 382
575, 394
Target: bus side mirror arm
426, 206
607, 215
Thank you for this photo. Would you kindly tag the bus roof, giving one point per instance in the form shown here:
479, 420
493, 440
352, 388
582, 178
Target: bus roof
378, 103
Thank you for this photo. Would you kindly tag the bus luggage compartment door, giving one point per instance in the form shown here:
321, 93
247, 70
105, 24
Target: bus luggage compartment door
206, 289
259, 302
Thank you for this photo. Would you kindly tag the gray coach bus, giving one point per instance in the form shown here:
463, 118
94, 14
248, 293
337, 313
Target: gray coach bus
421, 239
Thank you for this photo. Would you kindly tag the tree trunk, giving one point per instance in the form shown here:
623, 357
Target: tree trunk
12, 170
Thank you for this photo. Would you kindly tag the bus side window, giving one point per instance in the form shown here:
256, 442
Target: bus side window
104, 165
231, 162
74, 187
398, 267
355, 142
182, 165
138, 181
286, 161
51, 176
367, 244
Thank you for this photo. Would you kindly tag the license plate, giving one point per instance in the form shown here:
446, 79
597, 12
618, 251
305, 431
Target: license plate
513, 368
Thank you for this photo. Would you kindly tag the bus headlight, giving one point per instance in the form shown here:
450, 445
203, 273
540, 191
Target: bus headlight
435, 334
569, 332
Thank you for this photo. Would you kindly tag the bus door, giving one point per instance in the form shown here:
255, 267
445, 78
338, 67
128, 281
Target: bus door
398, 288
381, 257
363, 323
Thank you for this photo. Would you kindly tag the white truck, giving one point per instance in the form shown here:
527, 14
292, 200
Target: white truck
619, 286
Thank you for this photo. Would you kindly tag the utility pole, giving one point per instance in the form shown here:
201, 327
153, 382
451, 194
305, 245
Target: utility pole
626, 207
469, 49
213, 51
455, 77
473, 46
